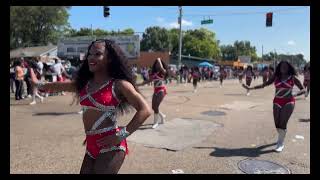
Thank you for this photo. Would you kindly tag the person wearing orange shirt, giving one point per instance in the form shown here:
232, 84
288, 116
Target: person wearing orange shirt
19, 80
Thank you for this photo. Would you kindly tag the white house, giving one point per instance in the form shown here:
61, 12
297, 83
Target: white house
44, 52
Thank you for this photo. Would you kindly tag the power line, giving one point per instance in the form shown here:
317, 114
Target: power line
164, 8
245, 12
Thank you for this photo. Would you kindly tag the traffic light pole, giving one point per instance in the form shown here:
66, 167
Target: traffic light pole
180, 36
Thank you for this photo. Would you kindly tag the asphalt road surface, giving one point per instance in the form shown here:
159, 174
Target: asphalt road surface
47, 138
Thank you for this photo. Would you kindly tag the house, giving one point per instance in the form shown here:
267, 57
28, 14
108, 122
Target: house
243, 61
73, 48
146, 59
44, 52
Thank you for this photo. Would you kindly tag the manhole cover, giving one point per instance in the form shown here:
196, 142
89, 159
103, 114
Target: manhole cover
214, 113
252, 166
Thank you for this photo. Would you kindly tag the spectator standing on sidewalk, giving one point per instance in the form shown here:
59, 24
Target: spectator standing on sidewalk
58, 69
19, 77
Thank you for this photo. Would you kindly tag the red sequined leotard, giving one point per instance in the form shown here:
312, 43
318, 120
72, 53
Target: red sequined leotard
158, 83
285, 89
105, 100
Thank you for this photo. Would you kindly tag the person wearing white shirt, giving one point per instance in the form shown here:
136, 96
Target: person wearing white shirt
58, 68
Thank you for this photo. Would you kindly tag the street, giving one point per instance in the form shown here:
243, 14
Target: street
47, 138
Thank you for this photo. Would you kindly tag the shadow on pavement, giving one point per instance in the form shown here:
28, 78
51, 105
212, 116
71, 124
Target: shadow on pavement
214, 113
145, 126
54, 113
182, 91
237, 94
210, 87
20, 104
304, 120
248, 152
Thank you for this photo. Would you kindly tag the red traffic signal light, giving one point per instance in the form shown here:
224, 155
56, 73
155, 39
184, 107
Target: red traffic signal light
106, 11
269, 19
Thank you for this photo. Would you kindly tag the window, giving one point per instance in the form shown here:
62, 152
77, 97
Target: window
70, 49
82, 49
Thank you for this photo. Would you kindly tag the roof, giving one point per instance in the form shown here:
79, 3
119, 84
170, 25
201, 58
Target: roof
31, 51
244, 59
147, 59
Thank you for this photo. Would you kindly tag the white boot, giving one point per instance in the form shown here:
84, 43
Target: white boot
41, 99
33, 103
281, 136
306, 95
156, 120
248, 92
162, 117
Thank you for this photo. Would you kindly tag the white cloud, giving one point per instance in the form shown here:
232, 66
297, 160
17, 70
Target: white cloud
291, 43
174, 25
160, 19
184, 23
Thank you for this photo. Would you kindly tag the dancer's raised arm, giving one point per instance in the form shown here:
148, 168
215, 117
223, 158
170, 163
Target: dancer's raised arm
54, 86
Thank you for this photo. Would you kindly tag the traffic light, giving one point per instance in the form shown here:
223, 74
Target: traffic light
269, 19
106, 10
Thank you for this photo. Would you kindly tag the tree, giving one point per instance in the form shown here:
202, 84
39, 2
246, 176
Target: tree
296, 60
36, 25
128, 31
228, 52
201, 43
84, 32
244, 48
155, 39
100, 32
270, 56
174, 41
239, 48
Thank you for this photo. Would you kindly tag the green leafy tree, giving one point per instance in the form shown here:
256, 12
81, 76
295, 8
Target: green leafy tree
155, 39
37, 25
128, 31
174, 41
228, 52
201, 43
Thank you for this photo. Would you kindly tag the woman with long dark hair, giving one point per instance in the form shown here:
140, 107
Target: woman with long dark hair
26, 64
19, 78
36, 70
249, 75
240, 74
222, 76
195, 77
283, 103
105, 88
158, 75
265, 74
270, 72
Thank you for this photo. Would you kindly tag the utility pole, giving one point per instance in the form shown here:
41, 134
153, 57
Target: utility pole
91, 31
274, 59
180, 36
262, 54
92, 37
292, 60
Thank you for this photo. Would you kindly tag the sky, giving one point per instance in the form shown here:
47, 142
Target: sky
290, 33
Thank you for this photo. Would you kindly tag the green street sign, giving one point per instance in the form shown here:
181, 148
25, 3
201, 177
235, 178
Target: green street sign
209, 21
